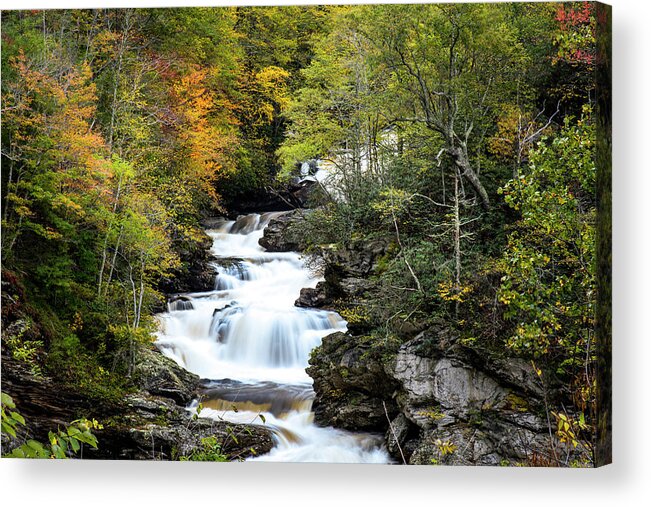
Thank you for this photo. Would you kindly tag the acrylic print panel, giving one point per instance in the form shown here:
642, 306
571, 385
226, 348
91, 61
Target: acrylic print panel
344, 234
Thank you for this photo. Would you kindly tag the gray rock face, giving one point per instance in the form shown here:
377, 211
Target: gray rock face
446, 405
467, 415
457, 388
282, 234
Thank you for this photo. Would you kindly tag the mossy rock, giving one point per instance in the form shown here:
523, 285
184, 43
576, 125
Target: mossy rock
161, 376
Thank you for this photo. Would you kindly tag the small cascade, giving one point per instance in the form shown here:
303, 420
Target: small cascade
179, 304
253, 344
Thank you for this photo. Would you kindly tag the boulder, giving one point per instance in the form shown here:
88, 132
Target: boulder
357, 260
446, 404
353, 391
314, 298
470, 410
142, 426
353, 410
491, 442
161, 376
282, 234
155, 428
455, 445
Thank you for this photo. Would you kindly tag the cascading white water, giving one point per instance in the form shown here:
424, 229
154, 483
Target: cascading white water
253, 344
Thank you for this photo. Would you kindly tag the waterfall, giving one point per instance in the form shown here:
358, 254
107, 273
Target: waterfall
252, 344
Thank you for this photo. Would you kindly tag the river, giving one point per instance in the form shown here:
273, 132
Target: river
251, 345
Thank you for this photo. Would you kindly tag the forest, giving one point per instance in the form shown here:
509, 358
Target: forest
460, 143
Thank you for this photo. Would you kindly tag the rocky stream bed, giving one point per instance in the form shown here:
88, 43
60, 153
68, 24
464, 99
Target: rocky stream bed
434, 399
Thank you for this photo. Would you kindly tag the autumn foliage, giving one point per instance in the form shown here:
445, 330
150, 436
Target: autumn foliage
119, 128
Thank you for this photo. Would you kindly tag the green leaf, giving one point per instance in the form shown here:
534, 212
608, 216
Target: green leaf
75, 445
8, 429
58, 452
17, 417
87, 438
7, 401
73, 431
17, 453
29, 452
33, 444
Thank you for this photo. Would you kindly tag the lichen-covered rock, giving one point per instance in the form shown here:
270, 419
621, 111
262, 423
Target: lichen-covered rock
324, 294
161, 376
446, 404
455, 445
357, 261
154, 428
491, 441
142, 426
354, 287
470, 410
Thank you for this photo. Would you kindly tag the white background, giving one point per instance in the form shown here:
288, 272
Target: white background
627, 482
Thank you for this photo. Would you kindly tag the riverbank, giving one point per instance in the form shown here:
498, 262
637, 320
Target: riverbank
147, 420
436, 398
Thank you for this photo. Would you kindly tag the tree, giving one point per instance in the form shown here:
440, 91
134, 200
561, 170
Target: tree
58, 168
337, 116
548, 285
575, 57
458, 63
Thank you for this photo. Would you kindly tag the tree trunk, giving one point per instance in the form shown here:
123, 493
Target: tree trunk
461, 160
457, 244
106, 238
114, 260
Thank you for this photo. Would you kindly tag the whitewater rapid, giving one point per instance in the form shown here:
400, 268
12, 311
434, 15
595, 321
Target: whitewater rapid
252, 345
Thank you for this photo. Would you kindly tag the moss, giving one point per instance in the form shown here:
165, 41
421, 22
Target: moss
161, 420
517, 403
335, 394
355, 315
433, 413
475, 417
